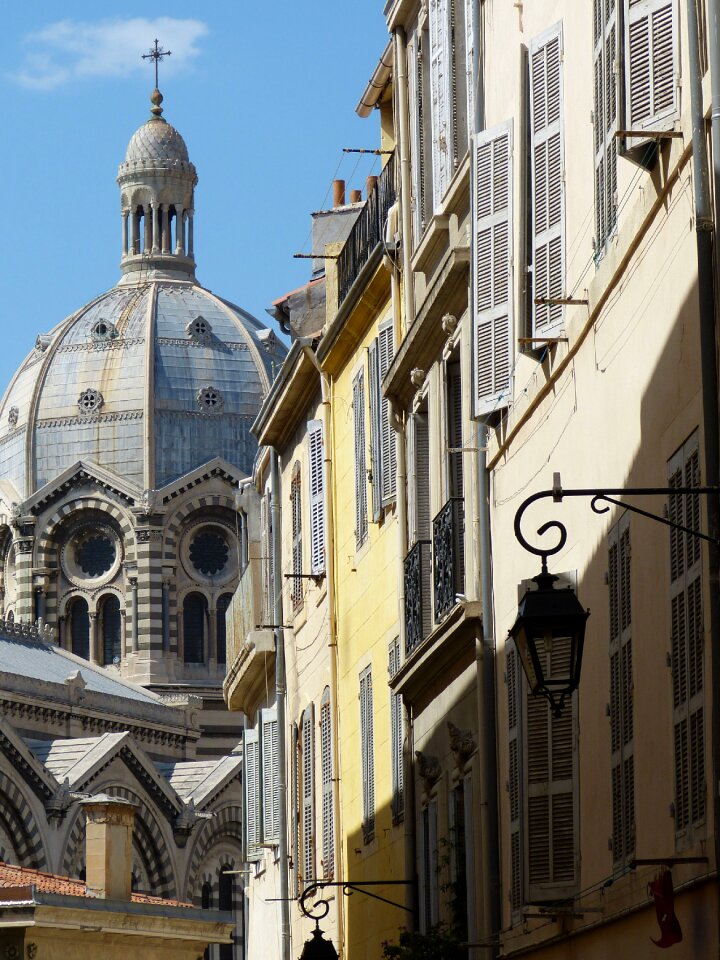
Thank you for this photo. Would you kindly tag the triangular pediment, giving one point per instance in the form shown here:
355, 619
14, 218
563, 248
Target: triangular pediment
217, 467
80, 473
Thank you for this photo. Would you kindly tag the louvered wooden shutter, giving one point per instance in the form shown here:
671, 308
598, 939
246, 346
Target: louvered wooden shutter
361, 506
469, 69
548, 200
271, 769
514, 689
621, 693
440, 97
551, 841
455, 428
251, 766
295, 852
687, 649
308, 796
266, 558
386, 352
375, 431
421, 478
328, 818
367, 746
415, 105
317, 496
296, 510
396, 736
605, 61
651, 65
493, 335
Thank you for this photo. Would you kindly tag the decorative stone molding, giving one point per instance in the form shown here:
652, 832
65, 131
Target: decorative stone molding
101, 344
449, 324
102, 418
13, 414
417, 377
462, 744
429, 770
146, 536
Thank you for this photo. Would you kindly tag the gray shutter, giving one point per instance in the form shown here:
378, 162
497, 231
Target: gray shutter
361, 506
605, 63
415, 105
375, 431
388, 457
421, 478
317, 497
551, 762
687, 649
396, 737
493, 334
308, 796
251, 765
295, 852
297, 562
621, 693
328, 818
651, 65
367, 747
469, 71
270, 773
440, 94
548, 195
514, 690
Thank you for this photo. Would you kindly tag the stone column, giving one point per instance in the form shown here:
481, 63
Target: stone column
179, 231
23, 575
133, 233
134, 590
61, 632
123, 628
39, 602
212, 634
155, 228
165, 238
166, 615
94, 644
190, 251
124, 221
147, 245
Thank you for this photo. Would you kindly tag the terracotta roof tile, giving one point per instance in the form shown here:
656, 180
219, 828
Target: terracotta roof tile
11, 876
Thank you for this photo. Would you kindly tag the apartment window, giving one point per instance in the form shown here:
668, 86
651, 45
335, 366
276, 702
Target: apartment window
687, 648
270, 774
317, 497
621, 693
652, 66
382, 438
542, 785
361, 503
195, 615
605, 67
328, 818
268, 575
367, 751
252, 792
461, 856
307, 752
454, 427
546, 164
296, 520
429, 860
396, 738
493, 334
419, 153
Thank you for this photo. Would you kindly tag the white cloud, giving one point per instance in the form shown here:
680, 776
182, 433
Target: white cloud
75, 50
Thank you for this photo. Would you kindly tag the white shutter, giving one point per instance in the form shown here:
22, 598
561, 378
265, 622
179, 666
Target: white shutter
375, 431
396, 737
367, 748
251, 766
317, 496
295, 853
546, 161
440, 97
469, 53
361, 506
651, 65
308, 796
297, 561
271, 770
415, 106
328, 818
493, 332
388, 458
605, 61
514, 689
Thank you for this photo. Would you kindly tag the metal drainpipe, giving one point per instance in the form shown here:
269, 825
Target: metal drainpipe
709, 376
403, 125
280, 691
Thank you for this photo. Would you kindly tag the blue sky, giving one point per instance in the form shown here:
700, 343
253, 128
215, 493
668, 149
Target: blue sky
264, 95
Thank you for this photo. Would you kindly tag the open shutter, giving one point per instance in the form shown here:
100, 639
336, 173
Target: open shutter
271, 768
361, 515
415, 105
388, 458
454, 428
514, 689
651, 65
396, 737
252, 791
440, 96
548, 201
421, 465
297, 561
308, 796
469, 70
375, 431
328, 819
367, 747
605, 65
295, 852
493, 338
317, 497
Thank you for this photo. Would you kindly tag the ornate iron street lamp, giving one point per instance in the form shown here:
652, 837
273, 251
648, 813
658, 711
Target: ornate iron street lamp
318, 948
549, 617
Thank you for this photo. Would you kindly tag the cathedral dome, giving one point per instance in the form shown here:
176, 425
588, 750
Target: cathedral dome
156, 140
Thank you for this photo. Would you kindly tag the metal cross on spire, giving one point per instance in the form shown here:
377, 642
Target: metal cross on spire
156, 54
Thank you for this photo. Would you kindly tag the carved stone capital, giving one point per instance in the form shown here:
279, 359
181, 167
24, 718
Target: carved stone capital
417, 377
429, 769
462, 744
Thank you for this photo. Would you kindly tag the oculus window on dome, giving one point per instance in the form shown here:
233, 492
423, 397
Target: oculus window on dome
199, 329
90, 400
210, 399
104, 330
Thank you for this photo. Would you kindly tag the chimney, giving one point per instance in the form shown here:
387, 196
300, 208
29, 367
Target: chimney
356, 196
370, 185
338, 193
108, 847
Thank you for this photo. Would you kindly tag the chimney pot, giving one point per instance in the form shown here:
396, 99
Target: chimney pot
338, 193
108, 846
370, 185
356, 196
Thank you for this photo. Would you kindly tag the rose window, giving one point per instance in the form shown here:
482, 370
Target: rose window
209, 553
95, 554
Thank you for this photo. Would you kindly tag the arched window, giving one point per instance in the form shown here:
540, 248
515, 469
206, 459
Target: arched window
80, 628
194, 618
225, 902
222, 606
111, 630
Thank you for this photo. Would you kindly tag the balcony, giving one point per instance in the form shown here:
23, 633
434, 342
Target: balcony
418, 579
448, 557
248, 643
368, 231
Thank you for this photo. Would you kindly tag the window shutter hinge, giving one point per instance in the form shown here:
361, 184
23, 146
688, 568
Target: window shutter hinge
672, 810
665, 510
607, 709
610, 843
668, 659
606, 578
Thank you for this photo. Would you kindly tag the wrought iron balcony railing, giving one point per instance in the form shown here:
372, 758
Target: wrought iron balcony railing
418, 579
368, 231
448, 556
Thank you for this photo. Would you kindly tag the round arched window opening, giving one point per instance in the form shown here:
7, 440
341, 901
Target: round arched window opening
95, 554
209, 552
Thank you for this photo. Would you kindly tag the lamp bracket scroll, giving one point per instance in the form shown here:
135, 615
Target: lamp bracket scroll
348, 887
